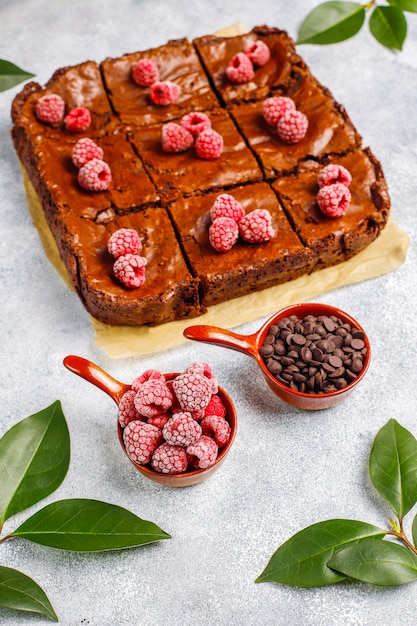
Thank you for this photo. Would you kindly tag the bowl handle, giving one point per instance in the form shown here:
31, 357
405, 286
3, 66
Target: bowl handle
96, 376
222, 337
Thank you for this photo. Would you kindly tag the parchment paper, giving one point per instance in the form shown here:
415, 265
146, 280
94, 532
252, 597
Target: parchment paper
381, 257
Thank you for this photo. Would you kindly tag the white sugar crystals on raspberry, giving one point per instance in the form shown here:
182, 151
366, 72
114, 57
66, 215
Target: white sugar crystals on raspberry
334, 173
200, 367
95, 175
203, 453
240, 69
147, 375
78, 120
50, 109
129, 269
145, 72
193, 391
169, 459
124, 241
196, 122
258, 53
127, 411
292, 126
164, 93
223, 233
176, 138
182, 430
333, 200
153, 397
256, 226
216, 427
141, 440
85, 150
273, 108
225, 205
209, 144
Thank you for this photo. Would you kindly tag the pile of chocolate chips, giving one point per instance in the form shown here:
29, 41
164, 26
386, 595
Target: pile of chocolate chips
314, 355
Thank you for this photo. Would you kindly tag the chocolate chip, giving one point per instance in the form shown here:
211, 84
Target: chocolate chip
315, 354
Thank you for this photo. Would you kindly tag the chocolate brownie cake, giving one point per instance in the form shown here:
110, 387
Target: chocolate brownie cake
166, 196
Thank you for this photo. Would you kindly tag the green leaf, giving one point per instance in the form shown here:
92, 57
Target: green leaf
389, 26
414, 530
34, 460
18, 591
11, 75
88, 526
376, 562
393, 467
302, 560
405, 5
331, 22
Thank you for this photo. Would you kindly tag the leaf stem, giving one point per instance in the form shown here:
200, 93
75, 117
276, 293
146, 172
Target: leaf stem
400, 534
369, 5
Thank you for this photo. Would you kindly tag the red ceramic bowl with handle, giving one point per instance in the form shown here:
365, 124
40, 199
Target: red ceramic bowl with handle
115, 389
252, 344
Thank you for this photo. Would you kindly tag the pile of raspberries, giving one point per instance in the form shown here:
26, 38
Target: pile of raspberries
174, 425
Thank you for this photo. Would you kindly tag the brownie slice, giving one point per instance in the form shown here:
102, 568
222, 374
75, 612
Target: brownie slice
54, 176
330, 130
177, 62
333, 240
78, 86
169, 292
185, 173
246, 267
280, 74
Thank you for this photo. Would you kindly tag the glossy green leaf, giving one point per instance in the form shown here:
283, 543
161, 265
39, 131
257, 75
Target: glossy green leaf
302, 560
393, 467
34, 460
376, 562
404, 5
332, 22
11, 75
19, 592
389, 26
88, 526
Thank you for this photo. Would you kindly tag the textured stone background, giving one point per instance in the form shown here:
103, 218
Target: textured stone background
288, 468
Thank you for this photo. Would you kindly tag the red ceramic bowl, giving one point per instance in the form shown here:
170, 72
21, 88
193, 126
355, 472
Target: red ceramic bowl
251, 345
115, 389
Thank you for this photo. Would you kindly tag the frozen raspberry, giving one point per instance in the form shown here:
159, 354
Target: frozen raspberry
145, 72
130, 270
292, 126
95, 175
141, 440
273, 108
223, 233
199, 367
153, 397
333, 200
240, 69
209, 144
50, 109
182, 430
176, 138
124, 241
258, 53
332, 174
169, 459
85, 150
78, 120
193, 391
147, 375
217, 428
159, 420
256, 226
164, 92
225, 205
196, 122
215, 407
202, 453
127, 410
